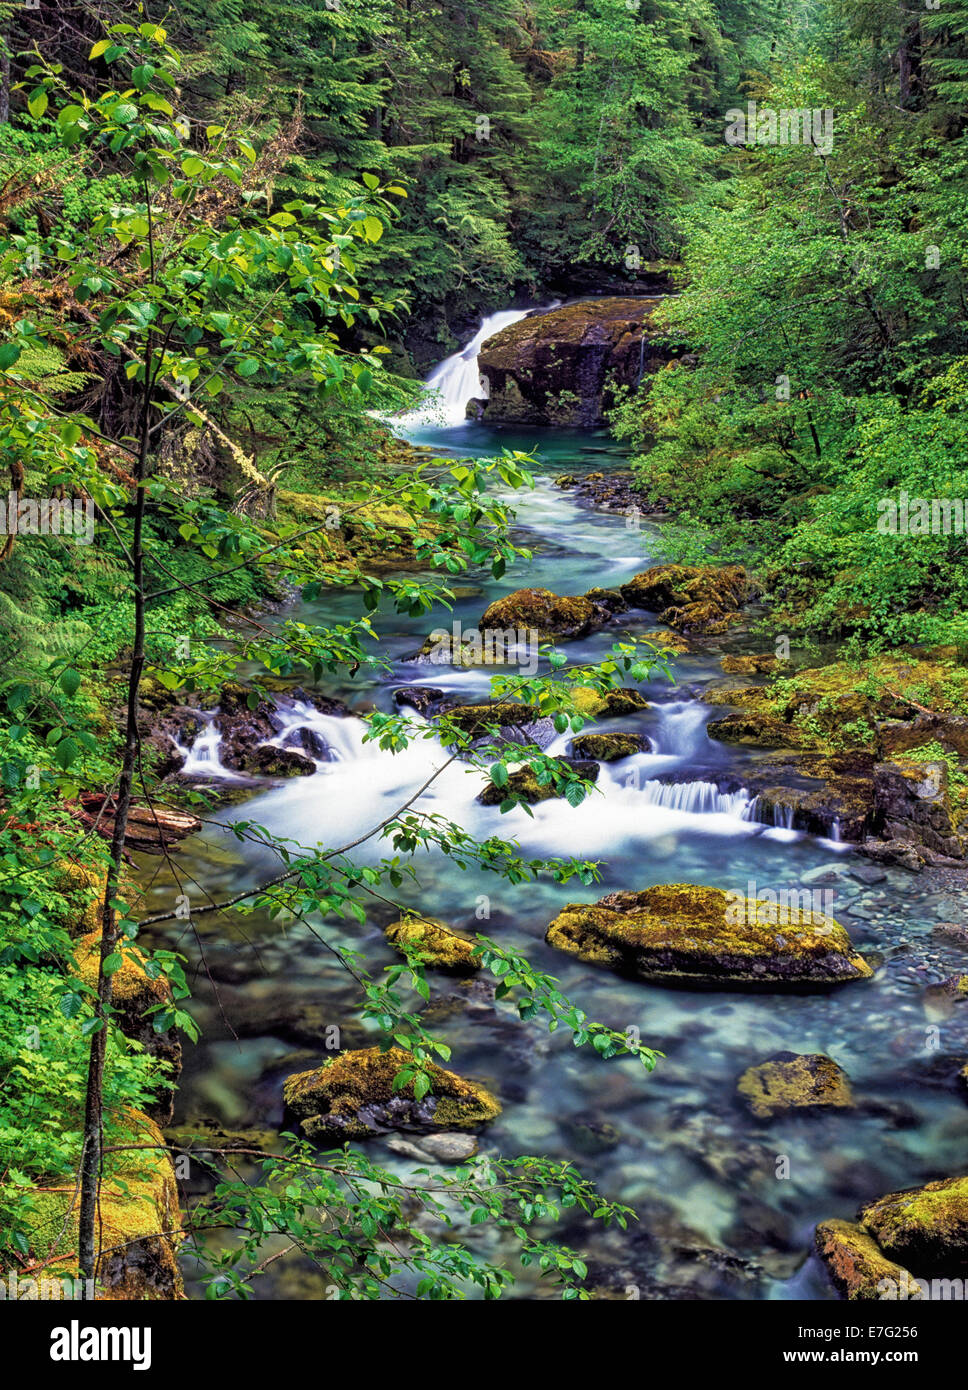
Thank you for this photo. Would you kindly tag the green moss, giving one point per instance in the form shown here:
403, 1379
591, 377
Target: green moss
856, 1264
328, 1101
684, 933
540, 611
438, 945
789, 1081
925, 1227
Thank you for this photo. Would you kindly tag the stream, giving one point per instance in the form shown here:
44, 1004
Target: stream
726, 1203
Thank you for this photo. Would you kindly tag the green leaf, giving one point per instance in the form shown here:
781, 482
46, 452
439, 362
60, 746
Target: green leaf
69, 682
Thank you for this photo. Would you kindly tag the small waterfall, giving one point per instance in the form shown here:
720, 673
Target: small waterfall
781, 819
681, 727
698, 798
202, 757
323, 737
456, 380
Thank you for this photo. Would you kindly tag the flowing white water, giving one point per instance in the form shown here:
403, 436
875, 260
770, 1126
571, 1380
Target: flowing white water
202, 758
457, 380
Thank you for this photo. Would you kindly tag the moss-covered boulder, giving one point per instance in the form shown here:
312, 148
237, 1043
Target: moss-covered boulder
269, 761
353, 1097
925, 1228
562, 367
702, 599
823, 794
138, 1231
609, 748
795, 1081
612, 705
524, 783
857, 1266
540, 611
440, 947
684, 934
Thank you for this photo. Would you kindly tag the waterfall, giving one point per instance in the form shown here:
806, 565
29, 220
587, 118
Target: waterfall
202, 757
698, 798
782, 818
456, 380
681, 727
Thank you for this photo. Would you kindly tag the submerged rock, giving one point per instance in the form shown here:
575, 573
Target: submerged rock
442, 948
562, 367
353, 1097
691, 935
795, 1081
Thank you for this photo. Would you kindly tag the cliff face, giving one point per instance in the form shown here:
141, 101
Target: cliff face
561, 368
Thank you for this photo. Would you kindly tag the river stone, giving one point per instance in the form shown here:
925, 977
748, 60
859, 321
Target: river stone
609, 748
435, 1148
925, 1227
855, 1262
690, 935
791, 1081
543, 614
353, 1097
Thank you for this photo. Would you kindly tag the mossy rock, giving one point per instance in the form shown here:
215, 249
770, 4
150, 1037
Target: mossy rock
703, 599
524, 783
133, 991
685, 934
138, 1230
547, 614
266, 761
609, 748
441, 948
479, 719
755, 664
353, 1097
791, 1081
855, 1262
83, 886
926, 1228
612, 705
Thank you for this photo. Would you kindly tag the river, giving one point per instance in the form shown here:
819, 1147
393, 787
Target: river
727, 1205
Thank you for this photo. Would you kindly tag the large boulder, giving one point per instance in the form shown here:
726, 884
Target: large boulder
684, 934
547, 614
561, 368
821, 794
915, 804
926, 1228
691, 598
609, 748
353, 1097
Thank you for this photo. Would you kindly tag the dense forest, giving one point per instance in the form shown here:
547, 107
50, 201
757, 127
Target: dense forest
683, 511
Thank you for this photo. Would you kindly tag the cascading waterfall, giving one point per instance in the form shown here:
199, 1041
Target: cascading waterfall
457, 380
698, 798
202, 756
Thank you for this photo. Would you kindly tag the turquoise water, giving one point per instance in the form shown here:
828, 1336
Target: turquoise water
727, 1205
